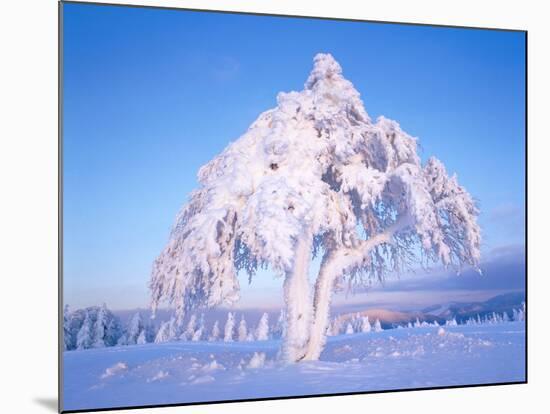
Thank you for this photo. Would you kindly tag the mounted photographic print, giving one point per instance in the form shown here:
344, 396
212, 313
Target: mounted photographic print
264, 206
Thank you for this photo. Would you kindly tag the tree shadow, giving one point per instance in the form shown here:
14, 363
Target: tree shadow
49, 403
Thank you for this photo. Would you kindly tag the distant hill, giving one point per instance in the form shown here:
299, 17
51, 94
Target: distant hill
461, 311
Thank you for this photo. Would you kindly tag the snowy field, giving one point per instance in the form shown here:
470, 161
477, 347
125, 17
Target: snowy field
184, 372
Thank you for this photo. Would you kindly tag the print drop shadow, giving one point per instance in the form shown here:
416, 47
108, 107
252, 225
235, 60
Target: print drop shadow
49, 403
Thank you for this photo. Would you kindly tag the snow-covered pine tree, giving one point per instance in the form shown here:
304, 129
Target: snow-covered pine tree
142, 337
168, 331
521, 315
100, 327
262, 330
197, 335
74, 322
451, 322
113, 331
279, 330
229, 327
107, 329
67, 335
365, 324
357, 322
349, 329
175, 328
332, 329
377, 326
314, 176
242, 330
163, 334
215, 335
133, 330
187, 335
85, 339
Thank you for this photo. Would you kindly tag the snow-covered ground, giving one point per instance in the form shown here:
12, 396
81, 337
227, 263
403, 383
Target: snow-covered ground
183, 372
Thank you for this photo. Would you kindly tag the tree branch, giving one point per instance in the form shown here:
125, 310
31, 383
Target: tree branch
345, 258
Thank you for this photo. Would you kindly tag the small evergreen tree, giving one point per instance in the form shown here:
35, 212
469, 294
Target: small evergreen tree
229, 327
262, 331
84, 338
365, 324
67, 337
214, 336
163, 333
197, 335
189, 332
142, 338
243, 330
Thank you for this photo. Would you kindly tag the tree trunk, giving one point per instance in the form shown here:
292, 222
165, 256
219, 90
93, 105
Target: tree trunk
298, 303
334, 265
321, 305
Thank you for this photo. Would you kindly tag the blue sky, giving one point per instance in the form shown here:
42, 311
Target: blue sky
150, 95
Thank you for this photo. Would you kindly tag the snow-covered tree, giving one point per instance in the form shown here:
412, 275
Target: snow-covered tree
168, 331
197, 335
73, 321
215, 335
377, 326
349, 329
175, 328
262, 330
85, 337
67, 334
133, 331
279, 329
365, 324
519, 314
242, 330
100, 327
190, 329
314, 176
229, 327
107, 328
95, 327
451, 322
163, 333
142, 338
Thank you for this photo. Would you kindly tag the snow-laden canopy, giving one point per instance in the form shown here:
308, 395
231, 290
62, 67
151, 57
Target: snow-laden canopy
315, 167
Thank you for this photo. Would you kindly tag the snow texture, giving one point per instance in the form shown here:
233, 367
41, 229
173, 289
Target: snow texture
183, 372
